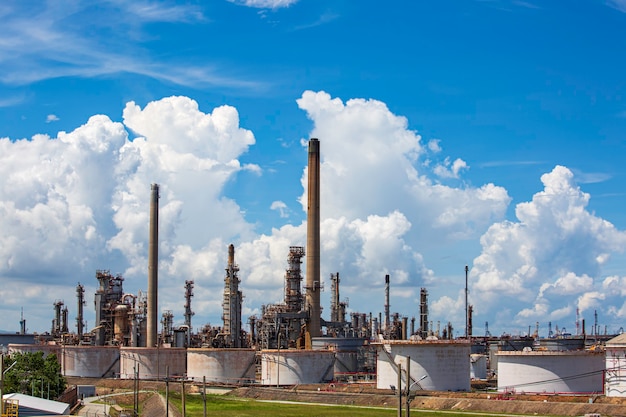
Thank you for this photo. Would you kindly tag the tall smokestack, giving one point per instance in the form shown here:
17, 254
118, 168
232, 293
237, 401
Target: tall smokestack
153, 273
314, 328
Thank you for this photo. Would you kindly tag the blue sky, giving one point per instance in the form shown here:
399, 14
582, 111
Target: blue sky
486, 133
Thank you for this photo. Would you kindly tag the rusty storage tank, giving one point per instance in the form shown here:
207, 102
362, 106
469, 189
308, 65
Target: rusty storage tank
293, 367
571, 372
229, 366
153, 363
80, 361
120, 327
438, 365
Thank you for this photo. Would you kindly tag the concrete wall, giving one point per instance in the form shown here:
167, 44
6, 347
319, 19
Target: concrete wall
232, 366
551, 372
436, 365
291, 367
154, 363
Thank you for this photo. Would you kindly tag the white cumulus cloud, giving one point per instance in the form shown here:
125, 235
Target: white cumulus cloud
554, 252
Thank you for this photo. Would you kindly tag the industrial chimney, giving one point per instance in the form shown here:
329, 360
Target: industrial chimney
153, 275
314, 328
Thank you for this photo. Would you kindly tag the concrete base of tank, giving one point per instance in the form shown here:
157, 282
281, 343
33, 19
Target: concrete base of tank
152, 363
80, 361
292, 367
231, 366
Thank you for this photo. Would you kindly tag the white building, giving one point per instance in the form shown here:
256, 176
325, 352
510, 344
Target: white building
35, 406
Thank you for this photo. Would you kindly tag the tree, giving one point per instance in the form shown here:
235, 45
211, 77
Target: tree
34, 374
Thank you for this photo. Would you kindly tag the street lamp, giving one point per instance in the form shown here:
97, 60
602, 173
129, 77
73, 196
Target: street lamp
408, 392
2, 372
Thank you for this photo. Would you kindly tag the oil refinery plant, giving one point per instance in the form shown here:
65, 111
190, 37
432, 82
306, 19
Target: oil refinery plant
285, 344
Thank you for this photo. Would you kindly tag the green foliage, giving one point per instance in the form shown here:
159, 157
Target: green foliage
33, 374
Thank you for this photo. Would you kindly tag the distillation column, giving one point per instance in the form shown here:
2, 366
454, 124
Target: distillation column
232, 302
334, 302
293, 278
80, 323
387, 303
313, 285
423, 313
188, 312
153, 276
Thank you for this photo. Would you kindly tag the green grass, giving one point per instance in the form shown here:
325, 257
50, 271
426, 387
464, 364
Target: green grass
230, 407
218, 405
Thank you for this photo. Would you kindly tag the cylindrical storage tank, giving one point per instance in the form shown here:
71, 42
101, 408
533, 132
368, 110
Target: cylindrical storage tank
478, 366
570, 372
508, 344
180, 337
293, 367
120, 327
438, 365
577, 343
154, 363
229, 366
615, 382
80, 361
346, 352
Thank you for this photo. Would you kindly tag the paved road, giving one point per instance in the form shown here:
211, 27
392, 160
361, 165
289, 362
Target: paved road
92, 409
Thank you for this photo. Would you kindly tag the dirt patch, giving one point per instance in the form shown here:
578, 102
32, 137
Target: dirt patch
155, 406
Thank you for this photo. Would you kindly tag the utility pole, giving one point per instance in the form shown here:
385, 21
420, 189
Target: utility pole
136, 392
399, 390
182, 389
204, 394
167, 391
1, 383
408, 386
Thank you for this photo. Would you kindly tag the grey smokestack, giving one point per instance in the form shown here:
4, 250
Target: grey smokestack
153, 273
314, 328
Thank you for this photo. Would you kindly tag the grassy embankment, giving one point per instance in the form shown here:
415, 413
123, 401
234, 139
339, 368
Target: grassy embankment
218, 405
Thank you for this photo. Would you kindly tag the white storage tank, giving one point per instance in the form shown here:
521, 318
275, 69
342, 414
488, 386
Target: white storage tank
230, 366
79, 361
615, 360
154, 363
569, 372
346, 352
478, 366
292, 367
438, 365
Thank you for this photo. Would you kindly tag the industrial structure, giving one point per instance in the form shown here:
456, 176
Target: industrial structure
539, 371
290, 342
